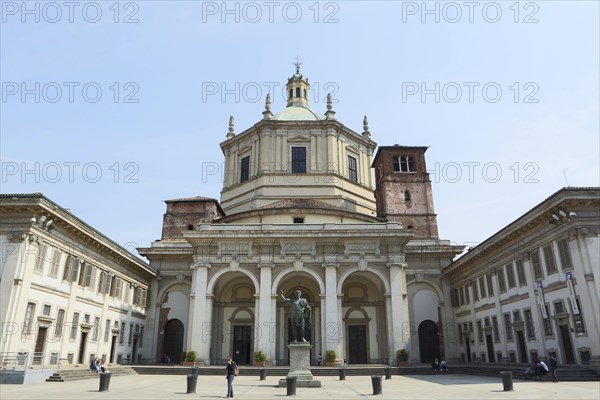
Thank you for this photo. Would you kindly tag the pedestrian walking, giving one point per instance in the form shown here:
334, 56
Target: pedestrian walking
231, 369
553, 364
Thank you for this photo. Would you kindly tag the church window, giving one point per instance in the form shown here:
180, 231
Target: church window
298, 92
245, 169
406, 195
298, 160
291, 93
404, 164
352, 169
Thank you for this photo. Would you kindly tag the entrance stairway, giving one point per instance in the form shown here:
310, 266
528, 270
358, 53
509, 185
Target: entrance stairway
564, 374
83, 372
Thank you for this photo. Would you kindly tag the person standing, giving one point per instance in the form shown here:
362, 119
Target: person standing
319, 359
553, 364
231, 367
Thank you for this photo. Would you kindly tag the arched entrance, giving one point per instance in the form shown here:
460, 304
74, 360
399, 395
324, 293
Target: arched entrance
429, 341
173, 342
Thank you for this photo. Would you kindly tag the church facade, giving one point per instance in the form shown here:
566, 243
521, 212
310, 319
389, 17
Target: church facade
301, 209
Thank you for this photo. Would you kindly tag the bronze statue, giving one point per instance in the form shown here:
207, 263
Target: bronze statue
299, 307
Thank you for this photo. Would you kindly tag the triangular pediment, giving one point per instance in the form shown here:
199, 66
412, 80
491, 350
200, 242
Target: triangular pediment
298, 139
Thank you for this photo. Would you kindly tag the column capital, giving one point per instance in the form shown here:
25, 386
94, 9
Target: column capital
196, 265
325, 265
265, 265
400, 264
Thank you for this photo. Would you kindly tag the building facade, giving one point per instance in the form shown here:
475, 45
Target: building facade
532, 289
298, 210
68, 293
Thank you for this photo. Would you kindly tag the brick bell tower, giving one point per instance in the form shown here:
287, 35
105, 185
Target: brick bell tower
403, 189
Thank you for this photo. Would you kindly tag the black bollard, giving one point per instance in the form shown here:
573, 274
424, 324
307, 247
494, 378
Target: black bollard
290, 383
376, 382
388, 373
104, 381
342, 372
507, 380
263, 374
192, 382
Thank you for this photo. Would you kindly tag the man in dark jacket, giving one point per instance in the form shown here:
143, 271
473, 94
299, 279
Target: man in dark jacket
231, 367
553, 363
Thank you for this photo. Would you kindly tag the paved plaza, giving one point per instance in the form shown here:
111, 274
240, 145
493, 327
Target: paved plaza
354, 387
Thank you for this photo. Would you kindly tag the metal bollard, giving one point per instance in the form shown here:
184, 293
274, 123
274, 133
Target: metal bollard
388, 373
376, 382
192, 382
104, 381
507, 380
342, 372
263, 374
290, 383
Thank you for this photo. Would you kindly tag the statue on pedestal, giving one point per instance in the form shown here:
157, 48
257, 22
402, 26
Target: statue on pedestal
299, 308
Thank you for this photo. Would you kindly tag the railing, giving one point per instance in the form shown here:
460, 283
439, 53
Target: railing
20, 361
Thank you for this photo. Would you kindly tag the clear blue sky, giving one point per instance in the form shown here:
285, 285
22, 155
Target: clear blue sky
171, 74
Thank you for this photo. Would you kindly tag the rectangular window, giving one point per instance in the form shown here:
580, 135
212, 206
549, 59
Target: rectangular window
298, 220
521, 273
352, 169
60, 320
40, 257
87, 277
565, 254
126, 287
245, 169
67, 271
454, 297
559, 307
475, 291
529, 324
461, 295
508, 327
482, 287
547, 323
501, 281
495, 329
510, 276
578, 319
74, 326
96, 328
516, 316
479, 332
86, 318
130, 336
549, 259
490, 285
407, 164
116, 287
106, 330
298, 160
535, 263
107, 281
46, 310
54, 263
122, 332
28, 322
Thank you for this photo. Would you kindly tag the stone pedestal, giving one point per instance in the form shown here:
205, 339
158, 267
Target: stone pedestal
300, 366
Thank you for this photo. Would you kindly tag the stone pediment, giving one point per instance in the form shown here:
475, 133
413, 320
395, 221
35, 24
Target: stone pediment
299, 139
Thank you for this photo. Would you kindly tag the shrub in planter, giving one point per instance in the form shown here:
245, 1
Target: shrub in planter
402, 357
330, 358
260, 358
190, 359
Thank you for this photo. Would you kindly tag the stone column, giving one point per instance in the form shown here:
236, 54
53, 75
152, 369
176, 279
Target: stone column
398, 309
332, 329
200, 322
265, 341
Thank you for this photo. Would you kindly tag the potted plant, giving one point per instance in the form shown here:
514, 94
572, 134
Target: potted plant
330, 358
402, 357
259, 358
190, 359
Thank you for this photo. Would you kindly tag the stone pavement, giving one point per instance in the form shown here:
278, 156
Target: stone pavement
354, 387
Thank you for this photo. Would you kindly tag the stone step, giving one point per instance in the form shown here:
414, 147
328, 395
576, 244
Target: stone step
77, 373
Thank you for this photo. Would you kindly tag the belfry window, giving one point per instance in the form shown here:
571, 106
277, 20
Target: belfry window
291, 93
404, 164
298, 92
245, 169
298, 160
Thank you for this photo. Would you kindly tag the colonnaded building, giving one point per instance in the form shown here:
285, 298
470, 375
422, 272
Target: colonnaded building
301, 209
